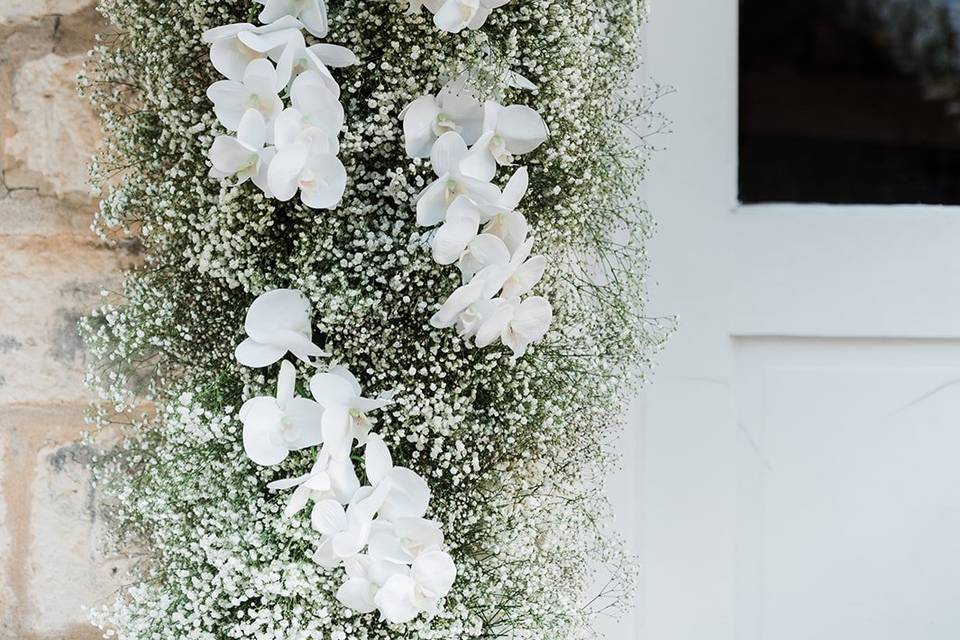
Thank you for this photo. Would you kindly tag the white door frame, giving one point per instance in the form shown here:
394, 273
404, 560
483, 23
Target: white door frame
738, 273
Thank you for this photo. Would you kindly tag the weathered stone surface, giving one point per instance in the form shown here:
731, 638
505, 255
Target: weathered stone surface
7, 601
47, 285
12, 11
52, 132
24, 213
53, 564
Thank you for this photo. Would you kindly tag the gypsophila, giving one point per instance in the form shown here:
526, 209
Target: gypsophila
513, 453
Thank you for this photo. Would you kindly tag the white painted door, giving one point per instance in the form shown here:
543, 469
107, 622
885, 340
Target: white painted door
799, 447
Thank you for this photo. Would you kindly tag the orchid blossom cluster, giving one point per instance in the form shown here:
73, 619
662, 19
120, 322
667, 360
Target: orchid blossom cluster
480, 227
456, 15
281, 149
394, 557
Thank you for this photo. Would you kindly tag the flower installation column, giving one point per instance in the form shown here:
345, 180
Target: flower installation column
334, 198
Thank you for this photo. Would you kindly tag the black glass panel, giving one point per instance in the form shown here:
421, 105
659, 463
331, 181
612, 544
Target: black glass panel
850, 101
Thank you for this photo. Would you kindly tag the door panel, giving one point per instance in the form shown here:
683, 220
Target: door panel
796, 445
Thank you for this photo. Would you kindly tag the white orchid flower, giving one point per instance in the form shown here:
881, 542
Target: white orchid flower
517, 324
345, 410
257, 91
313, 13
315, 106
365, 576
228, 53
514, 273
273, 427
464, 218
306, 161
278, 321
400, 542
243, 156
462, 298
488, 267
289, 50
434, 201
409, 493
327, 479
507, 132
403, 597
502, 219
474, 315
455, 108
461, 225
345, 532
456, 15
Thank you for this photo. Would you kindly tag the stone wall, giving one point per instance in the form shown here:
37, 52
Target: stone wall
52, 270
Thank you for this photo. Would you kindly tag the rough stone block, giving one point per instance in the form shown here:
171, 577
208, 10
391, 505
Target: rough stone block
13, 11
47, 284
52, 132
53, 566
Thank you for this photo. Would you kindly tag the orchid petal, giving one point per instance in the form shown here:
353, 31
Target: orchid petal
328, 517
395, 599
521, 128
418, 119
377, 459
357, 594
447, 152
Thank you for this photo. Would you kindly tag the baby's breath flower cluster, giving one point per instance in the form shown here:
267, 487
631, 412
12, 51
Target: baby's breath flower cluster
514, 452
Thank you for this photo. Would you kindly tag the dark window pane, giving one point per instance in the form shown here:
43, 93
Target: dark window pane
850, 101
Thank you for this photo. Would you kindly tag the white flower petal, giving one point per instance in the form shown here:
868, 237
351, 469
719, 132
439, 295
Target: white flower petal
332, 390
278, 309
525, 278
533, 318
229, 155
408, 497
254, 354
306, 418
334, 55
323, 181
479, 162
335, 427
494, 326
314, 18
418, 120
377, 459
343, 480
483, 251
395, 599
432, 203
230, 57
434, 573
521, 128
328, 517
262, 419
252, 131
460, 299
276, 9
510, 227
447, 152
297, 502
286, 381
357, 594
455, 15
461, 226
284, 172
515, 189
459, 104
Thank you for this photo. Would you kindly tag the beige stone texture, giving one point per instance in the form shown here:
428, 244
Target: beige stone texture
52, 269
52, 133
14, 11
